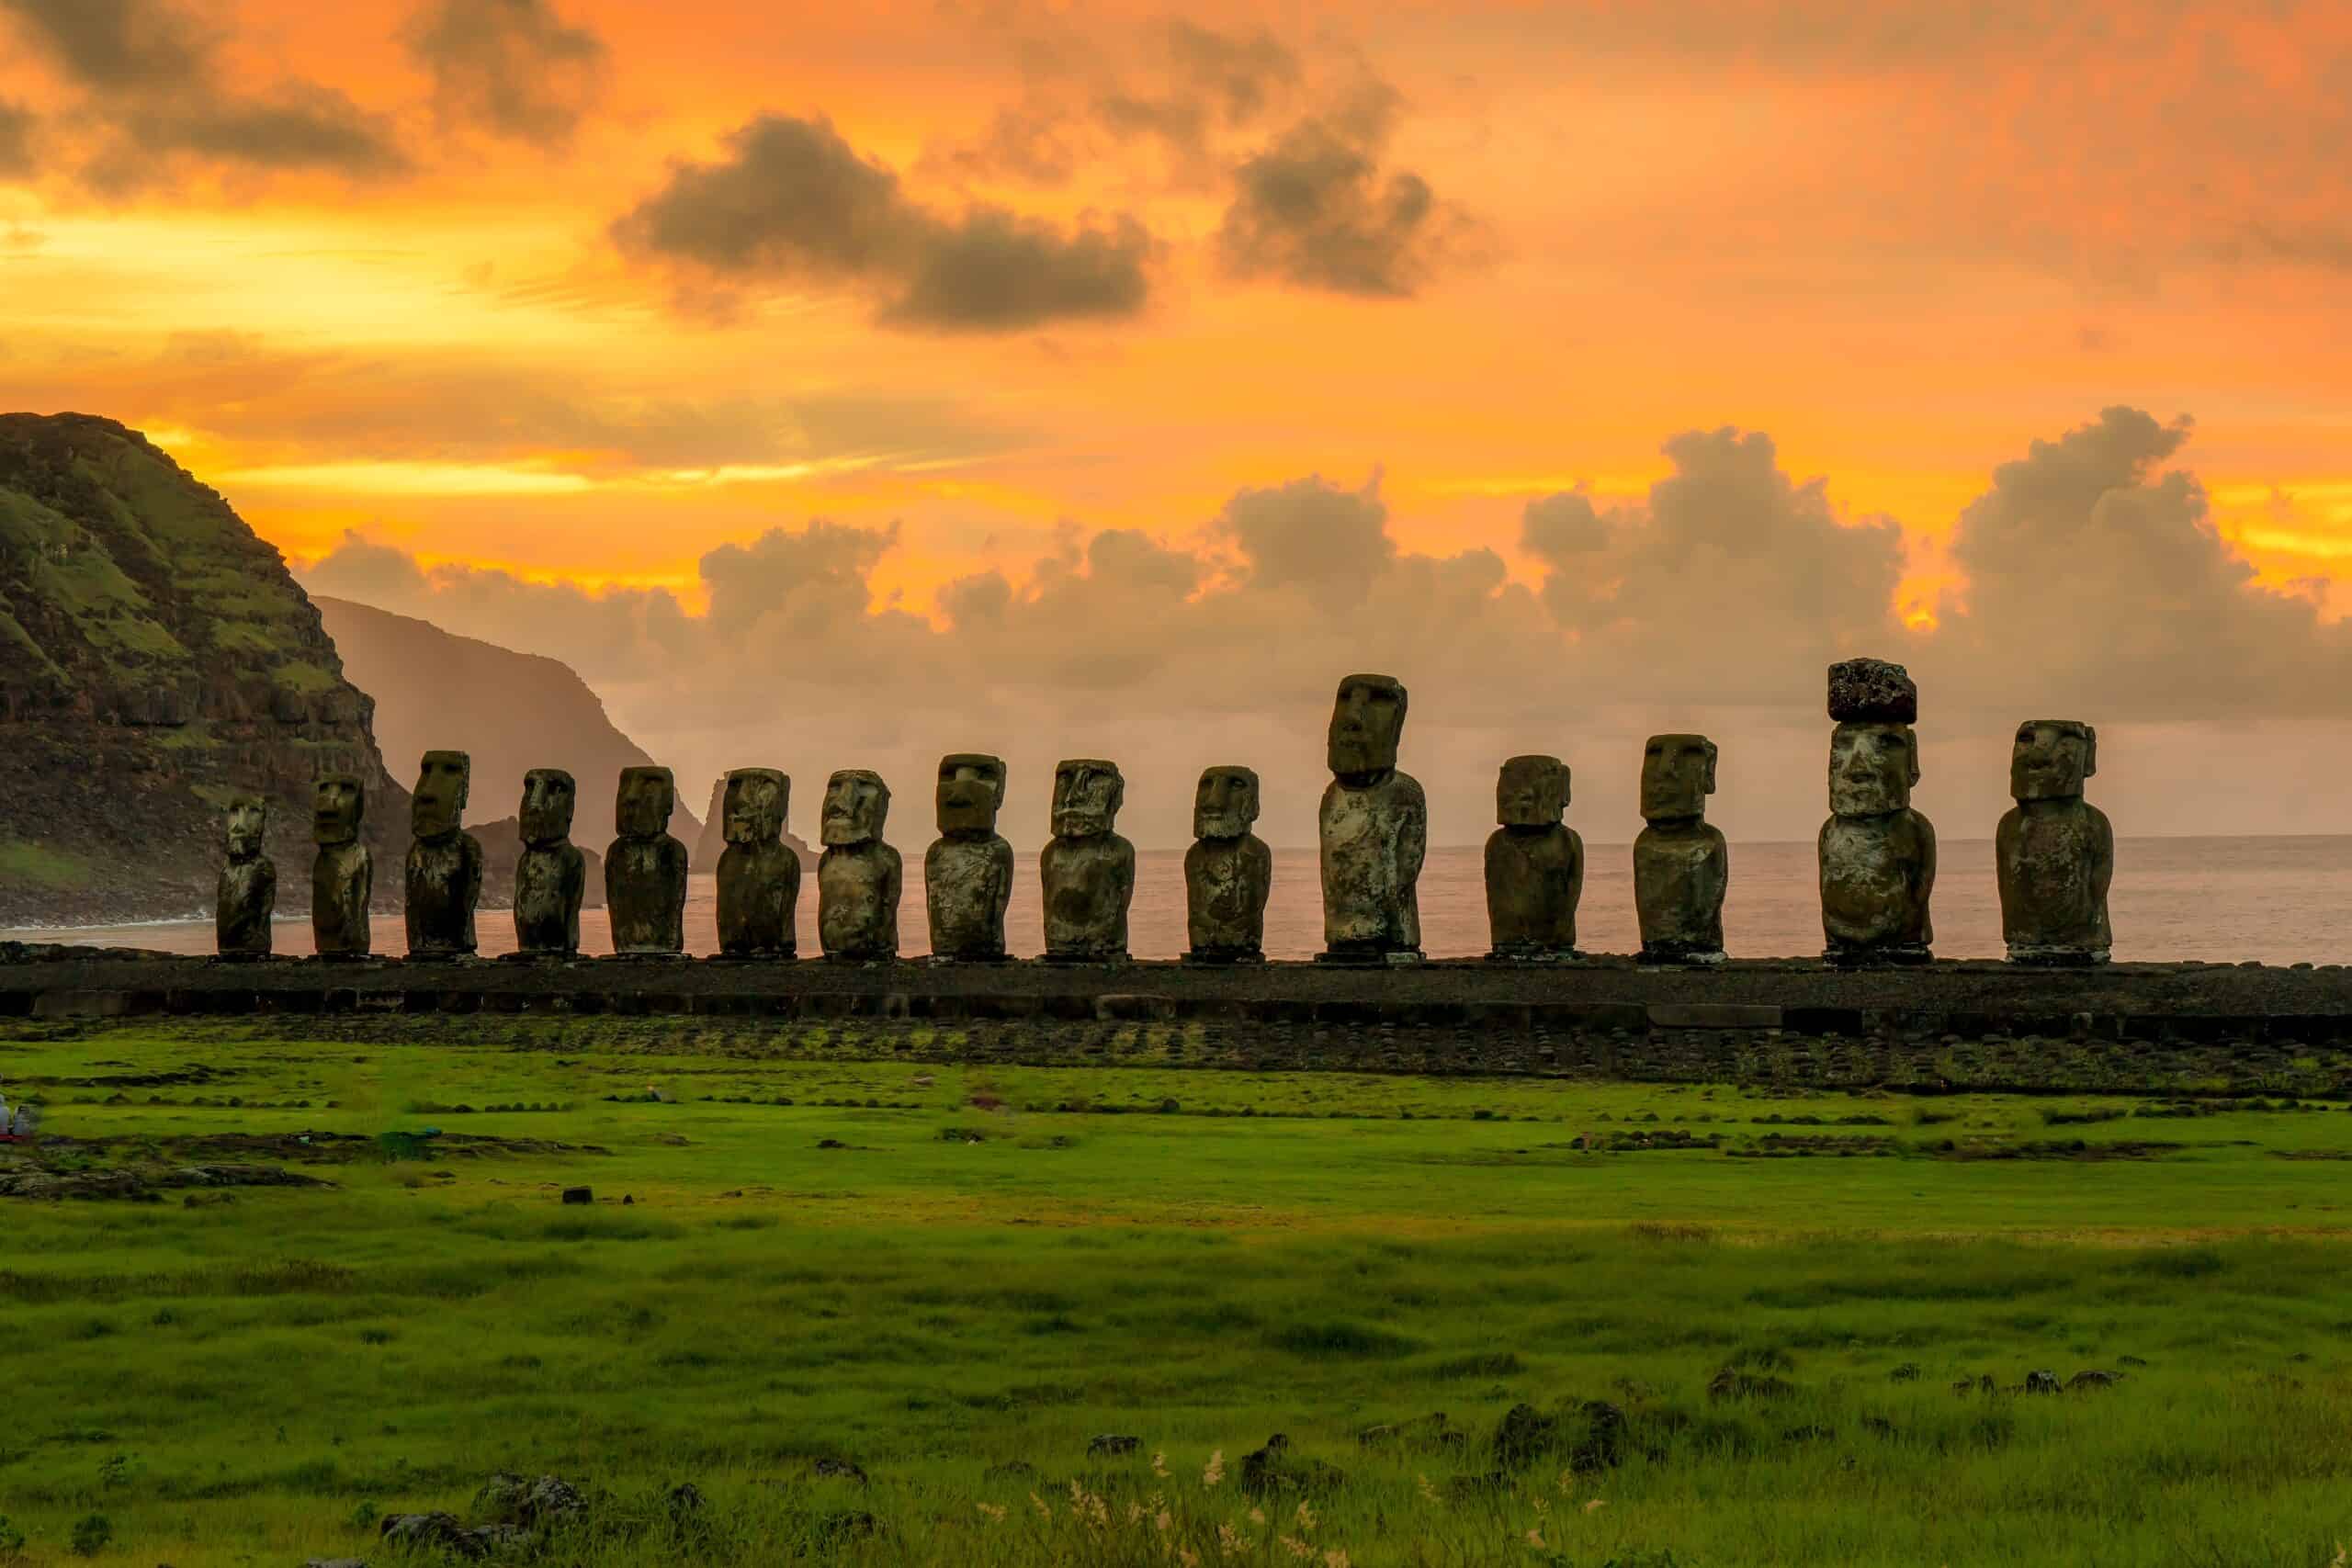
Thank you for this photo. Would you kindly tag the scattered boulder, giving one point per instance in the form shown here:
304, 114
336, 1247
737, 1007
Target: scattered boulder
1907, 1372
1274, 1468
2041, 1382
1602, 1444
684, 1501
579, 1195
1111, 1445
2130, 1361
442, 1533
2092, 1378
548, 1503
842, 1470
1524, 1435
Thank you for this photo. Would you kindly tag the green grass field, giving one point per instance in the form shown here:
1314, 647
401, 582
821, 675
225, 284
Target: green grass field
1742, 1314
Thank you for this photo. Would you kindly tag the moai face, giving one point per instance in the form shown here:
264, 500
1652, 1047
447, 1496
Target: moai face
1532, 791
756, 801
972, 789
1367, 721
857, 803
549, 795
439, 802
335, 810
2051, 759
1086, 796
248, 825
1871, 769
647, 797
1677, 775
1226, 804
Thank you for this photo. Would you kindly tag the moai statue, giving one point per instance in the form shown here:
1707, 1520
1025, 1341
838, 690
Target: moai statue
1374, 829
343, 877
759, 877
1227, 871
1878, 856
645, 870
967, 872
552, 876
1534, 865
444, 861
859, 876
2054, 851
248, 890
1681, 865
1089, 872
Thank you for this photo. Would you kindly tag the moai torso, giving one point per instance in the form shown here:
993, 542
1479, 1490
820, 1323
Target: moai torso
2054, 852
1088, 871
967, 882
759, 876
1679, 877
1374, 839
1226, 884
247, 894
342, 879
645, 870
549, 882
1876, 875
1534, 876
443, 885
858, 901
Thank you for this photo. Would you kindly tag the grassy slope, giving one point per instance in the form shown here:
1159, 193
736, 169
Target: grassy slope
243, 1382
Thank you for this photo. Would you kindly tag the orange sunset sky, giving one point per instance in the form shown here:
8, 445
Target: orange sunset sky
584, 290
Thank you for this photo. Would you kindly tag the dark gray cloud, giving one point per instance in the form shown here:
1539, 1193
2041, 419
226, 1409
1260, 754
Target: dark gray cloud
793, 204
1319, 208
17, 124
513, 67
155, 98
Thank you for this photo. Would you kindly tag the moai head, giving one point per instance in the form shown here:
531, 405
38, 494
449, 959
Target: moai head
1086, 796
1226, 804
971, 788
336, 807
248, 825
1871, 769
439, 802
547, 797
1677, 775
2051, 759
647, 797
1367, 721
1532, 791
857, 805
757, 800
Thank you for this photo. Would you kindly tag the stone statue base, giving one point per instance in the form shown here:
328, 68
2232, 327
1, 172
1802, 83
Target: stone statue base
2045, 957
1224, 957
776, 956
1680, 953
1099, 960
661, 955
968, 958
242, 958
1856, 954
1371, 957
529, 955
1519, 954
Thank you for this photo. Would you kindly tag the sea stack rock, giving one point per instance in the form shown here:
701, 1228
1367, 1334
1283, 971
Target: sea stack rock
551, 874
645, 870
2054, 852
1228, 872
967, 872
444, 880
1087, 869
759, 878
859, 877
1534, 865
1878, 856
1374, 828
248, 890
1681, 865
343, 877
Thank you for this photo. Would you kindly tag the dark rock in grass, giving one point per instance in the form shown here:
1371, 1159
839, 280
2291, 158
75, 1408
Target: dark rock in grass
841, 1470
2041, 1382
2130, 1361
549, 1503
1732, 1384
684, 1500
442, 1533
1274, 1468
579, 1195
1524, 1436
1602, 1446
1422, 1431
830, 1144
1111, 1445
1907, 1372
2092, 1378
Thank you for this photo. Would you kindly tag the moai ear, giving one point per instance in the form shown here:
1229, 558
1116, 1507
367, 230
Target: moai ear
1911, 748
2090, 750
1710, 767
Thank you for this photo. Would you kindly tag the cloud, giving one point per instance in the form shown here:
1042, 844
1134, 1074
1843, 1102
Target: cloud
793, 204
513, 67
1318, 209
16, 125
157, 98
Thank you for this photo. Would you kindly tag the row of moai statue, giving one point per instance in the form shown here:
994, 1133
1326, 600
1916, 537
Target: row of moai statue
2055, 855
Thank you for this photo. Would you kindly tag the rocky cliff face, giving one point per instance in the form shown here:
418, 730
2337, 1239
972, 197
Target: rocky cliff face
156, 659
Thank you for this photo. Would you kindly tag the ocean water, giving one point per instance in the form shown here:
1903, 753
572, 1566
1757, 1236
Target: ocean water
2276, 900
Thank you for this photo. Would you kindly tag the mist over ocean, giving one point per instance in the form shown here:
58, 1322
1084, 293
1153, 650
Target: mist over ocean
2277, 899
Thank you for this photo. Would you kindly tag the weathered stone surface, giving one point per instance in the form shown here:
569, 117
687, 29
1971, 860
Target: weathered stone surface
645, 870
1373, 827
248, 890
1228, 872
859, 877
1872, 691
2054, 851
1534, 864
1087, 869
343, 877
1681, 865
1878, 856
967, 872
552, 875
444, 861
759, 876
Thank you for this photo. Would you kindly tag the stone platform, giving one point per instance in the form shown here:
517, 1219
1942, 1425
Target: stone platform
2124, 1002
